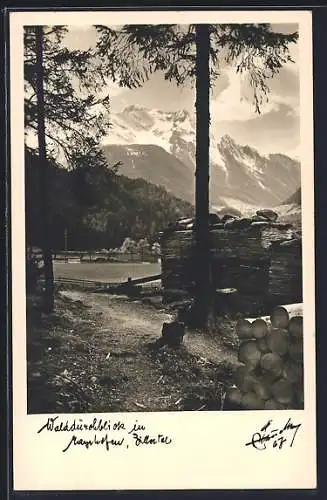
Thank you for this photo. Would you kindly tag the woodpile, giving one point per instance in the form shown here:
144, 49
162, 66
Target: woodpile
257, 256
270, 375
275, 232
285, 273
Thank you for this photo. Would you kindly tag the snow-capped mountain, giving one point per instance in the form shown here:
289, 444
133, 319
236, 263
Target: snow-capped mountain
172, 131
160, 147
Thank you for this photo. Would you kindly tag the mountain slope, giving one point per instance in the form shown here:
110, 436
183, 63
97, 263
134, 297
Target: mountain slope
160, 147
97, 208
295, 198
155, 165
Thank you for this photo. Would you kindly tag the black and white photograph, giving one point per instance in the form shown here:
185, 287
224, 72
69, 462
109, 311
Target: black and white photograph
163, 218
164, 196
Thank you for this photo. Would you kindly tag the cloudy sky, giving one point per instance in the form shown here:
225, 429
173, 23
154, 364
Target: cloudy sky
276, 129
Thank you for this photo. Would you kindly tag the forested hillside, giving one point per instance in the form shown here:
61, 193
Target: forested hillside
98, 207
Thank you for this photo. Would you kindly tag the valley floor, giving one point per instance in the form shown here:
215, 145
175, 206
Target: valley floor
95, 353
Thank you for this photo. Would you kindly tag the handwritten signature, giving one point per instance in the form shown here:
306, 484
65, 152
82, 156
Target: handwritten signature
277, 437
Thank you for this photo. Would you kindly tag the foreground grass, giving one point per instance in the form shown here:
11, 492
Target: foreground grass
62, 359
80, 360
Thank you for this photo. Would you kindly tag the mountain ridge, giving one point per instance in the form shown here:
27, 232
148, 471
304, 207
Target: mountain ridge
159, 147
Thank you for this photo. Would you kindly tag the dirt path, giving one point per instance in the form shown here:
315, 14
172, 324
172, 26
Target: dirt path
96, 353
123, 331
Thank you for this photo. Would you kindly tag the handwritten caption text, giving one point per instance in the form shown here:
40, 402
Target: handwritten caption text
106, 433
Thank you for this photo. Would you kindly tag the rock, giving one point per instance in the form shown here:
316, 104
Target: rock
229, 211
259, 218
239, 223
214, 218
227, 218
268, 214
172, 334
229, 223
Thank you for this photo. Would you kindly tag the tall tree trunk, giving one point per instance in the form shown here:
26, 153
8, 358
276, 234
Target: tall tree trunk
203, 288
43, 176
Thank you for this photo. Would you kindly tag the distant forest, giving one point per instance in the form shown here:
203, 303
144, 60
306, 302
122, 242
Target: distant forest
97, 207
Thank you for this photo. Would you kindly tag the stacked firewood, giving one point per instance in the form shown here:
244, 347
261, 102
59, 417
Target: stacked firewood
285, 273
241, 256
270, 375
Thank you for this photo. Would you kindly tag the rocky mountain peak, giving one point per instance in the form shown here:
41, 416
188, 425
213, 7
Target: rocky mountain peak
227, 142
237, 171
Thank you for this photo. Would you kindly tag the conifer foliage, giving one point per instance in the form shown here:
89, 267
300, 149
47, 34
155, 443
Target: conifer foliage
188, 53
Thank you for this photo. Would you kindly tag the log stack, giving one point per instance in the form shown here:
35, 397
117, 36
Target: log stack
247, 254
270, 374
285, 273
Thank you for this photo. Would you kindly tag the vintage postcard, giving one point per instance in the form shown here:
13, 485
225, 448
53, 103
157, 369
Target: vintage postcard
162, 228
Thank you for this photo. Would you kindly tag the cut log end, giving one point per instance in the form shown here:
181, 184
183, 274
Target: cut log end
295, 327
271, 375
244, 378
234, 396
272, 404
262, 345
261, 389
295, 350
272, 365
243, 329
280, 317
283, 392
259, 328
293, 372
251, 401
278, 341
249, 353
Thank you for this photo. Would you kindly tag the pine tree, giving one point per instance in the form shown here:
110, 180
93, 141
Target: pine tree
65, 117
204, 306
47, 257
132, 53
76, 110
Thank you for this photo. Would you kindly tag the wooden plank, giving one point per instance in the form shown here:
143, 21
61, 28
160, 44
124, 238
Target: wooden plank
146, 279
126, 285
